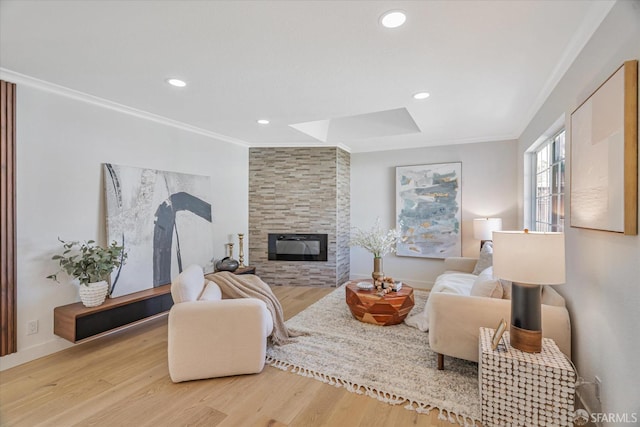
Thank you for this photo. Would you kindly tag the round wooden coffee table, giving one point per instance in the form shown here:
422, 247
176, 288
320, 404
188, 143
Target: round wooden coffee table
369, 307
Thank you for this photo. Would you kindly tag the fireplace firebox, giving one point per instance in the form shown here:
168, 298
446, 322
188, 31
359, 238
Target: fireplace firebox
297, 247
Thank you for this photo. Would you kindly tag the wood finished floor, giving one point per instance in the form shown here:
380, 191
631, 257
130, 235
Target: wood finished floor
122, 380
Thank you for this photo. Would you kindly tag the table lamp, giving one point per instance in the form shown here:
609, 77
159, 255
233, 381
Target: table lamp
483, 227
528, 260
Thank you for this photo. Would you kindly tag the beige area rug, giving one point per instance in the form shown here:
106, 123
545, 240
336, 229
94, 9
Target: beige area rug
390, 363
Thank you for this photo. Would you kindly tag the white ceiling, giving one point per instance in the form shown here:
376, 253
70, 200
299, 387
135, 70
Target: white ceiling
489, 65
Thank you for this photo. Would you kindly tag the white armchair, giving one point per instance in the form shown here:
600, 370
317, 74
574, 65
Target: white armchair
212, 337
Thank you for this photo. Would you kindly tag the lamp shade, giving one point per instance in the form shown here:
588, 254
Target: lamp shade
529, 257
483, 227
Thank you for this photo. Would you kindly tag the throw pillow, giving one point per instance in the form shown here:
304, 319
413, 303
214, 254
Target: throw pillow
506, 289
485, 260
551, 297
486, 286
211, 292
187, 286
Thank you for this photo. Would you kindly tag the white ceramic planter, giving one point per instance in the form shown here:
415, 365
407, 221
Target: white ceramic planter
93, 294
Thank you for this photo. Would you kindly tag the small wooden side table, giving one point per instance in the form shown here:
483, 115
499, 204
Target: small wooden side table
245, 270
369, 307
524, 389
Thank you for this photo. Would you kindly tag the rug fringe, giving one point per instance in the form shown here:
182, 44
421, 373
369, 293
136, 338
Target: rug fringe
393, 399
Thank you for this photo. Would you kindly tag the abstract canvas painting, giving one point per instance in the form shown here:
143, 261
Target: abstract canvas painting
604, 155
162, 218
428, 210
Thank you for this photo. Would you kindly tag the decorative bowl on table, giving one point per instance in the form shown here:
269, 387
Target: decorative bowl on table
365, 286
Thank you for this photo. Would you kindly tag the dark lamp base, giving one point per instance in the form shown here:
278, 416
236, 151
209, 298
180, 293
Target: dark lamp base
526, 317
525, 340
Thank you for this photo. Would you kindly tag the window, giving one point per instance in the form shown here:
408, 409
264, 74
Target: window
548, 191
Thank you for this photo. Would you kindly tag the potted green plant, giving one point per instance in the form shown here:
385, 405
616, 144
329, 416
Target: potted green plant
91, 265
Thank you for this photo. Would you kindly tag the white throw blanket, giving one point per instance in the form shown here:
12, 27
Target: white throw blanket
251, 286
450, 283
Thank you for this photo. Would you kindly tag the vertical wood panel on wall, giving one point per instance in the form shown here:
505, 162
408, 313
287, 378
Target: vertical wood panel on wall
631, 148
8, 339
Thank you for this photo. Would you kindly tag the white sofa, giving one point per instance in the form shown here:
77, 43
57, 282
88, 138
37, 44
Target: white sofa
454, 317
212, 337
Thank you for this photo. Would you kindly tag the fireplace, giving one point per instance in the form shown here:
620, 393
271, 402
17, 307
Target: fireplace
297, 247
314, 199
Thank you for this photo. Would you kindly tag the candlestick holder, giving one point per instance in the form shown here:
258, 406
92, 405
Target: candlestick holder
241, 249
229, 249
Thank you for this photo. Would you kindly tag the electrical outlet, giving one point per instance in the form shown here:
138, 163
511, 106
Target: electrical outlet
598, 384
32, 327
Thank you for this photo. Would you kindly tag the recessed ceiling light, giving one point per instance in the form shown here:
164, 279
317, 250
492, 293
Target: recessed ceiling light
263, 121
393, 18
421, 95
176, 82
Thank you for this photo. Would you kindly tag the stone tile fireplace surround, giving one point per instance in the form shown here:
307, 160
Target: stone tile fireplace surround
300, 190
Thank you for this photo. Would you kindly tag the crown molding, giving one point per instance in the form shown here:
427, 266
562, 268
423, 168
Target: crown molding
301, 145
597, 14
441, 143
23, 79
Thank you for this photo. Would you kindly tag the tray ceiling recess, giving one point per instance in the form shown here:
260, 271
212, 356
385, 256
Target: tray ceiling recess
361, 126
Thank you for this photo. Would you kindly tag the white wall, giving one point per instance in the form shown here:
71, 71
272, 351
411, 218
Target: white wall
61, 144
488, 189
603, 268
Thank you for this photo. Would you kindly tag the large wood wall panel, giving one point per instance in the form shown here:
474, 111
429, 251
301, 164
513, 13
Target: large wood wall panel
8, 339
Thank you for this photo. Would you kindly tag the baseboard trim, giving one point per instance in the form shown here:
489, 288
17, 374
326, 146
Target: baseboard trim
58, 344
581, 403
34, 352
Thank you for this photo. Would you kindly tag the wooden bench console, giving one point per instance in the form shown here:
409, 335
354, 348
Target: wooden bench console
75, 322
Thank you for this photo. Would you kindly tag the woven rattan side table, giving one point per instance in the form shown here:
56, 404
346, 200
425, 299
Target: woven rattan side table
524, 389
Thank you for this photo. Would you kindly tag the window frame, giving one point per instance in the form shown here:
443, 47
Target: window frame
534, 198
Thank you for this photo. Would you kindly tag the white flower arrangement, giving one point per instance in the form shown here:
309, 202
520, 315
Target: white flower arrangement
376, 240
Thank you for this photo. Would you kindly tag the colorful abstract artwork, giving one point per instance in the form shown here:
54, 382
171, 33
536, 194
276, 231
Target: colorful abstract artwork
162, 218
428, 210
